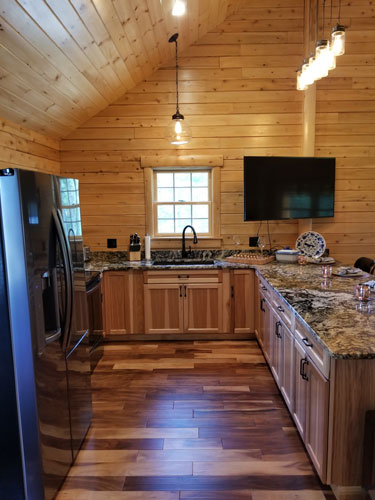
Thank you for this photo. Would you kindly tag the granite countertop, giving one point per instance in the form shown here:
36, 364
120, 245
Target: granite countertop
344, 326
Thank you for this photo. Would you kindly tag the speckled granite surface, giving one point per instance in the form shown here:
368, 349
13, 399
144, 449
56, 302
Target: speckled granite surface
343, 325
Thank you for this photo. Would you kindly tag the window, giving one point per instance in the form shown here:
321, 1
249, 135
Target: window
181, 198
182, 190
71, 214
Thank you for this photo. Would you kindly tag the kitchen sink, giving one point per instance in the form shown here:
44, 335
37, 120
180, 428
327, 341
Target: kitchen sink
184, 262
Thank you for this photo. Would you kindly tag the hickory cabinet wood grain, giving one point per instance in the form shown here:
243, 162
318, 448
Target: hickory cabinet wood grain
242, 292
183, 302
215, 301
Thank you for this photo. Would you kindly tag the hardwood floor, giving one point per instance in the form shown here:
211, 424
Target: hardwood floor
190, 421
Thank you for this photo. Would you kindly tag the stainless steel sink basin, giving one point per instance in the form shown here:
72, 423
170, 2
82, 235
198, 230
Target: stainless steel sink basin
183, 262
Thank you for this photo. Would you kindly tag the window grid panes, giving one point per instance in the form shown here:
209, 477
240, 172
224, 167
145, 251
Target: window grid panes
69, 193
182, 198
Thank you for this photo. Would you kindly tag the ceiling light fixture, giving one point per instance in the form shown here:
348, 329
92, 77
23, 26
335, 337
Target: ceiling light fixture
178, 132
338, 36
324, 59
179, 8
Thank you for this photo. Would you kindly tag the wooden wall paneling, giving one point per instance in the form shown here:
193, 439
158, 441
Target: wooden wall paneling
23, 148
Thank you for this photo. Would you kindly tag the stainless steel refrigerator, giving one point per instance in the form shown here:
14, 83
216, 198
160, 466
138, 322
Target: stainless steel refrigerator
45, 396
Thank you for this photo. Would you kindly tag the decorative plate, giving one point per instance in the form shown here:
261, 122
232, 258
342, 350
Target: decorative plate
311, 244
347, 272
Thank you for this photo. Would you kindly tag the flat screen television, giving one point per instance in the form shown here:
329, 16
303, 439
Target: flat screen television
281, 187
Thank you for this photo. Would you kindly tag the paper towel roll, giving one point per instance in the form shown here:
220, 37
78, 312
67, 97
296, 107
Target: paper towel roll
147, 247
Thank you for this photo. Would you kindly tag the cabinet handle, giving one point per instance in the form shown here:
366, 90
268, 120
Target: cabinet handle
182, 276
302, 363
264, 288
180, 287
305, 340
261, 305
232, 291
277, 331
185, 290
279, 308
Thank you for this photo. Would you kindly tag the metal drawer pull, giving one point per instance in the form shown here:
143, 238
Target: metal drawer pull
261, 305
279, 308
180, 290
182, 276
264, 288
302, 363
277, 331
185, 290
305, 340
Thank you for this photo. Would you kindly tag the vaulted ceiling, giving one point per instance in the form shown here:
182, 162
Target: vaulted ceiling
62, 61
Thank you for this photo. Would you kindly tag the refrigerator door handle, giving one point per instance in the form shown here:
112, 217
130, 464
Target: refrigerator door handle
69, 278
50, 306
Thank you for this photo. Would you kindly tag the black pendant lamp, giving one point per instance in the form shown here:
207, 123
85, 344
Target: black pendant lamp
178, 132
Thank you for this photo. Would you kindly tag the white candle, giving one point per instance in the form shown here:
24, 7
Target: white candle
147, 247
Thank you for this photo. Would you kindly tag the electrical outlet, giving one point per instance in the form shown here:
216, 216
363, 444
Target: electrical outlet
111, 243
253, 241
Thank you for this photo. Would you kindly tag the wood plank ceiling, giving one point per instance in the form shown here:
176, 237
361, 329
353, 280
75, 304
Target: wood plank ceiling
62, 61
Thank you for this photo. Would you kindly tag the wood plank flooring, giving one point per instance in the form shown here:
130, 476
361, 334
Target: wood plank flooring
190, 421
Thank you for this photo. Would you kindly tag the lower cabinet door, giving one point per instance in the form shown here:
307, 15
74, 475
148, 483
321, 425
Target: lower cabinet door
242, 300
163, 308
301, 392
266, 340
203, 308
117, 303
287, 381
276, 355
316, 438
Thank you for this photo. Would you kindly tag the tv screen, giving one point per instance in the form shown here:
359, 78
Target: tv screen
280, 187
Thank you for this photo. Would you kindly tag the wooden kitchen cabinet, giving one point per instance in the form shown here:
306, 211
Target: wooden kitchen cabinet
242, 292
276, 352
184, 302
287, 381
203, 308
163, 308
265, 338
122, 303
117, 303
311, 401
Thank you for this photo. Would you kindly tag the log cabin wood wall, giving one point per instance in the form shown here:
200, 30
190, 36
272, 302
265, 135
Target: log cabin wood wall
238, 92
23, 148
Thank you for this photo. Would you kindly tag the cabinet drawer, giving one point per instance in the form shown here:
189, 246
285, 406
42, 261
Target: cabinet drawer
264, 287
282, 310
184, 276
313, 348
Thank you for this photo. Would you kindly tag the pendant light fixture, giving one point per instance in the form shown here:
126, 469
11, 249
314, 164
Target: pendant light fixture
178, 132
179, 8
338, 36
323, 59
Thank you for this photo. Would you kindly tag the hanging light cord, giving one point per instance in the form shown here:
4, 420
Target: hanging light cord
324, 17
339, 13
177, 108
317, 21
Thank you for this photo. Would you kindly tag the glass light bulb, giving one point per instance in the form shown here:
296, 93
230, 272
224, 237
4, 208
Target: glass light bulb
177, 127
331, 58
321, 58
338, 40
179, 8
301, 83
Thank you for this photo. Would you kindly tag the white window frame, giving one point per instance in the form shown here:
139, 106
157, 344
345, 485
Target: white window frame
157, 203
157, 164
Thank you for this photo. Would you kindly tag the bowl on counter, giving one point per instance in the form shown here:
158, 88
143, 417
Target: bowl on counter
287, 256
